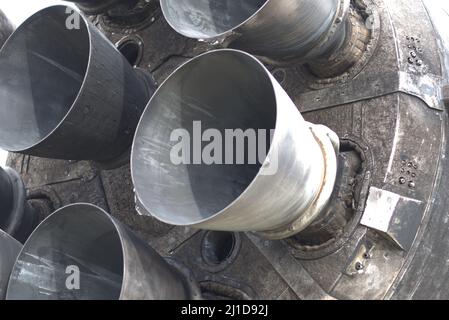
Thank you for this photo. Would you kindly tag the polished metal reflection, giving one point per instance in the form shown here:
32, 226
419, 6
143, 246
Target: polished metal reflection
65, 91
227, 89
112, 262
278, 29
9, 250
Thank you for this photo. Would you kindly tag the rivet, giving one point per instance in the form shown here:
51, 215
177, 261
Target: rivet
359, 266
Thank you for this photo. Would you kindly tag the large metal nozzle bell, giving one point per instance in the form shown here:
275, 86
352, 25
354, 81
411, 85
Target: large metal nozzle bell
277, 196
66, 92
10, 249
81, 253
17, 217
278, 29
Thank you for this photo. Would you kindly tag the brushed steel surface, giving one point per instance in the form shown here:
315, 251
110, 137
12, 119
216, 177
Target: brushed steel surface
113, 263
226, 89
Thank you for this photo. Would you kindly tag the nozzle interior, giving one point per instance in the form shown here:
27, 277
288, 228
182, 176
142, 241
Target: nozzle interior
79, 237
204, 19
222, 90
42, 68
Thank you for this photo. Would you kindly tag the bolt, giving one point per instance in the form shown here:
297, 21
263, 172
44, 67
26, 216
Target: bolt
419, 62
359, 266
413, 54
410, 60
402, 180
412, 185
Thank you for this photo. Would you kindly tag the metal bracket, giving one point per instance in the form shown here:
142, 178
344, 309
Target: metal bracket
396, 217
426, 88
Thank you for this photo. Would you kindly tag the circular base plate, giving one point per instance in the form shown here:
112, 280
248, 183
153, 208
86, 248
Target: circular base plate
329, 143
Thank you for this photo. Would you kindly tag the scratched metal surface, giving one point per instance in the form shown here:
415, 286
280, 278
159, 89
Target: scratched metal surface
391, 123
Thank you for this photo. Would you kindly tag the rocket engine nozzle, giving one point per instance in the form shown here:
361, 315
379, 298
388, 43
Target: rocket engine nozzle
281, 30
66, 92
17, 217
81, 253
8, 255
191, 176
